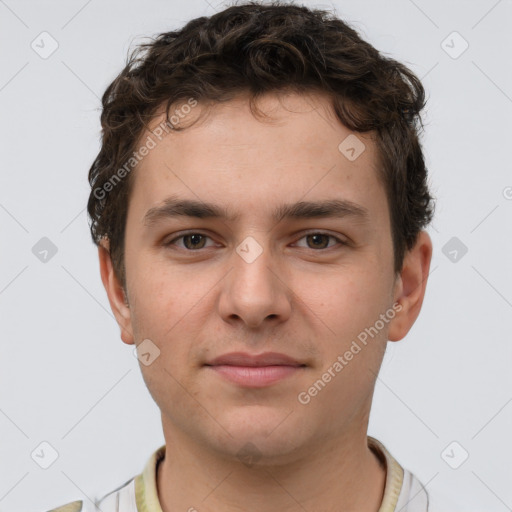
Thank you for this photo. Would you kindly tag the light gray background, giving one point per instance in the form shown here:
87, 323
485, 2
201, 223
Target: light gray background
66, 377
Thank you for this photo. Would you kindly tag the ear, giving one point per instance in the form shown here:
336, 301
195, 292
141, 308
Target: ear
115, 293
410, 286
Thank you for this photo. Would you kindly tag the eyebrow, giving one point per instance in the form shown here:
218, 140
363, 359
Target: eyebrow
176, 207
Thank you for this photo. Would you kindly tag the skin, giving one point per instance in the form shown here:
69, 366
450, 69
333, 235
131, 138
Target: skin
308, 298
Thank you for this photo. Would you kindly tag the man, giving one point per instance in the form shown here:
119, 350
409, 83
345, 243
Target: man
259, 204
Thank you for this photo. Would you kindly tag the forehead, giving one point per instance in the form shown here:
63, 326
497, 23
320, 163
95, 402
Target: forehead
228, 155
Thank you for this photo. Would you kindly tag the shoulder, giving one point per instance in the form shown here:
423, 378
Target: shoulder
122, 498
74, 506
416, 498
440, 502
413, 496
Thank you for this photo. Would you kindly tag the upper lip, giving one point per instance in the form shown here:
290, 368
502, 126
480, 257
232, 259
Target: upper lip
245, 359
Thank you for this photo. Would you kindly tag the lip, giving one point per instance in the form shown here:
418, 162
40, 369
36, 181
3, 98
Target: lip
245, 359
255, 370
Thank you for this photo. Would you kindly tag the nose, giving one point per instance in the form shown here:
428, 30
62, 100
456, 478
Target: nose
254, 292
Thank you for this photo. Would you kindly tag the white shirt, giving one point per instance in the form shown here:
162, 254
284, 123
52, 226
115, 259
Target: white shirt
403, 492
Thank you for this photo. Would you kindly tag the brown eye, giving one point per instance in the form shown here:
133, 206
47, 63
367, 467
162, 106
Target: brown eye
318, 241
196, 241
190, 241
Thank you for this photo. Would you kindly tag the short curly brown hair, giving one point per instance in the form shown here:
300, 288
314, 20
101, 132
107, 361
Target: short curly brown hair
259, 48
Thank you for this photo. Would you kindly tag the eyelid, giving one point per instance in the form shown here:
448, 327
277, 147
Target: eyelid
184, 234
340, 241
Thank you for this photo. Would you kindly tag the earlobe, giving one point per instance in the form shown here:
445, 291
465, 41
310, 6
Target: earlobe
410, 287
115, 293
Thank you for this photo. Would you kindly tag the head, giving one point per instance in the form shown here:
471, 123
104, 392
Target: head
273, 131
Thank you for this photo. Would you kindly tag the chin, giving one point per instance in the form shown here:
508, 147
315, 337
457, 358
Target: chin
258, 450
263, 435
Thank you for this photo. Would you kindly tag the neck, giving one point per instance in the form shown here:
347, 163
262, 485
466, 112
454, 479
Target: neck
338, 474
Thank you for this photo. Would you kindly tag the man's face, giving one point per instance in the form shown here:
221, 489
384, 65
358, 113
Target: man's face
304, 286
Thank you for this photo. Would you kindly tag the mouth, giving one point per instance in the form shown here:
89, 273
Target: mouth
255, 371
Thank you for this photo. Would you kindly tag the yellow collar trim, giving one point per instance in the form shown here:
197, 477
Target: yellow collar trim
394, 475
146, 495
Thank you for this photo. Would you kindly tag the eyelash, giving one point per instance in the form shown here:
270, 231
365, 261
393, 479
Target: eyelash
172, 242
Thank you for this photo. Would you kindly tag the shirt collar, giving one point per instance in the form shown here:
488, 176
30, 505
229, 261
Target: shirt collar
146, 494
394, 475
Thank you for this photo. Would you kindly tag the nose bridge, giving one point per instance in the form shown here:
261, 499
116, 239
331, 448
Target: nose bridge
254, 292
253, 262
253, 268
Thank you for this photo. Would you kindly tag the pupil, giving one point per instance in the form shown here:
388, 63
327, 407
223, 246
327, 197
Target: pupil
317, 238
194, 240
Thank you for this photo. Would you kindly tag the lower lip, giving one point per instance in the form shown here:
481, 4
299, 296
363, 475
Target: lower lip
255, 376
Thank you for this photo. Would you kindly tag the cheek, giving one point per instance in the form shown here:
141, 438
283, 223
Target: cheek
159, 312
344, 307
166, 316
343, 298
164, 295
172, 311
